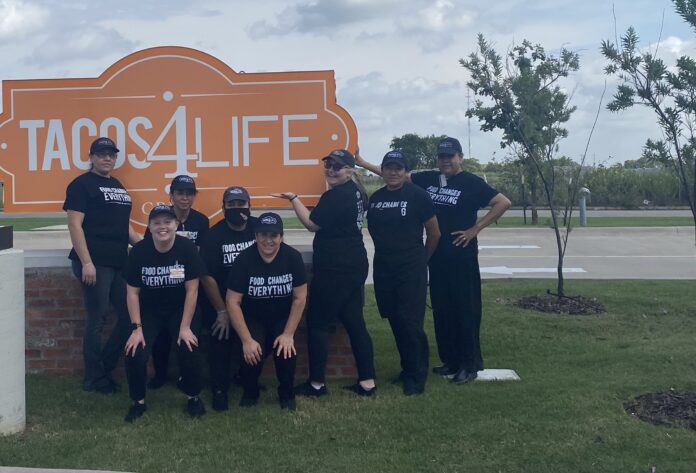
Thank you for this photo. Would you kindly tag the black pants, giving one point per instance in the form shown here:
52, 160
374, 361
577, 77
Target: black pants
189, 361
400, 289
338, 296
223, 356
110, 288
264, 330
161, 348
455, 293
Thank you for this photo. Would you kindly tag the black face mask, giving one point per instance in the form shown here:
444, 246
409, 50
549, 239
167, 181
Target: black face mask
237, 216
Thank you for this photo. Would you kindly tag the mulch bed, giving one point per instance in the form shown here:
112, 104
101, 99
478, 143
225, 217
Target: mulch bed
568, 305
671, 408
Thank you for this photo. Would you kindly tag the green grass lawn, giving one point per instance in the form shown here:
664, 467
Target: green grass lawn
565, 415
24, 224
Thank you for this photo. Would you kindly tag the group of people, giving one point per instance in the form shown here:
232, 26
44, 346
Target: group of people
254, 286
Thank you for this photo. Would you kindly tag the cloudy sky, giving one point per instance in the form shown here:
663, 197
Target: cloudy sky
395, 61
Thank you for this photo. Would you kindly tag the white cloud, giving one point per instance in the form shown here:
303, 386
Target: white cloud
80, 46
18, 19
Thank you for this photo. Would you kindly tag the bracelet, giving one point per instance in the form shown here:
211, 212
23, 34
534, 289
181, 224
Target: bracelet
223, 311
135, 326
293, 198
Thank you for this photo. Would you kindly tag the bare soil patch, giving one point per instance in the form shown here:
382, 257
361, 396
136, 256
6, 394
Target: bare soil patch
671, 408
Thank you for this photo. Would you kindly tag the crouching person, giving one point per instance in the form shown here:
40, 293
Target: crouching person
266, 295
162, 275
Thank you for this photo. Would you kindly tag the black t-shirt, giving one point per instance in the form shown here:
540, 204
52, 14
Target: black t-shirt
267, 287
395, 220
338, 245
107, 206
456, 200
161, 276
195, 228
221, 248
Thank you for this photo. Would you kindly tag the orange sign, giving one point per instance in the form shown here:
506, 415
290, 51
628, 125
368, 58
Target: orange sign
172, 111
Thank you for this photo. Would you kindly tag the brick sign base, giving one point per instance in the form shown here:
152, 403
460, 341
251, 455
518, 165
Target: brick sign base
55, 326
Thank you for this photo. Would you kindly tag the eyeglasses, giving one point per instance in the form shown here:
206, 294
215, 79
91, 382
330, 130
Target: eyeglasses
105, 155
335, 166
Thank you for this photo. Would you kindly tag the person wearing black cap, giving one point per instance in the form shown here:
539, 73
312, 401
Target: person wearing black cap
396, 216
340, 269
266, 295
162, 274
455, 279
225, 241
98, 209
194, 226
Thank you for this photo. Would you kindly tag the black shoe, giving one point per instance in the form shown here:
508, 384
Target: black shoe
248, 401
156, 382
288, 404
220, 401
464, 376
413, 388
444, 370
360, 391
195, 407
135, 411
306, 389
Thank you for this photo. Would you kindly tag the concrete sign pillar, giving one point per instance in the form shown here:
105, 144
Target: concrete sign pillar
12, 389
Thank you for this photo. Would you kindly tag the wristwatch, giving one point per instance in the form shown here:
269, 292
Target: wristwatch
135, 326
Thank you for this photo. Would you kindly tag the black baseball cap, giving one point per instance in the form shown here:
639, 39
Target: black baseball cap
449, 147
269, 222
341, 156
395, 157
161, 209
102, 144
235, 193
183, 183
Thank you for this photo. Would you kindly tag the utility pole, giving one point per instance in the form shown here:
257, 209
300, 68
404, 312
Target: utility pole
468, 120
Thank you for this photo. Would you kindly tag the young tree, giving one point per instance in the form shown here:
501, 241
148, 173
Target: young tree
669, 92
524, 100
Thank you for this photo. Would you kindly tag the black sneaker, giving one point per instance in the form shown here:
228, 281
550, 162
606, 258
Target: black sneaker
464, 376
444, 370
220, 401
248, 401
360, 391
306, 389
195, 407
135, 411
156, 382
412, 388
288, 404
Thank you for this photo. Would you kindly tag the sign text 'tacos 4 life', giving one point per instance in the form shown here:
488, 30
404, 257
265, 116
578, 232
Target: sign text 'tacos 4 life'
172, 111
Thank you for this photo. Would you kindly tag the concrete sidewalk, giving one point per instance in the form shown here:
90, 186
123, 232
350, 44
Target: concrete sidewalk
12, 469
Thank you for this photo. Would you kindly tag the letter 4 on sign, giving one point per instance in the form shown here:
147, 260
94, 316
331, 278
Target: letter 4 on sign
172, 111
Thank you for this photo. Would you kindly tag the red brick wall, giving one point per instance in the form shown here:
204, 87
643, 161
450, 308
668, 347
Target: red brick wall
55, 321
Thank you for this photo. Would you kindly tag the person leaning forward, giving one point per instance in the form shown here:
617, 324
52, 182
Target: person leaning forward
266, 294
162, 274
455, 279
